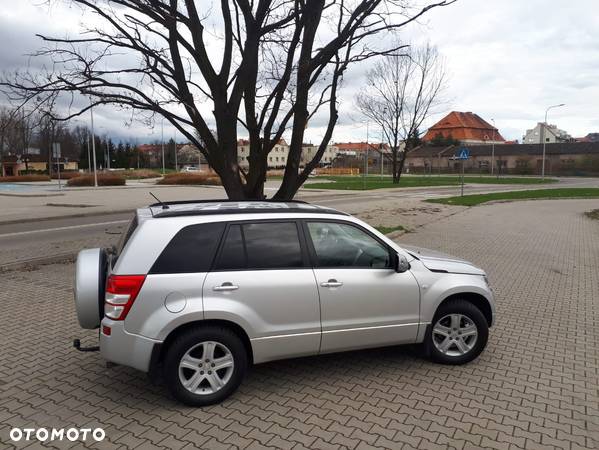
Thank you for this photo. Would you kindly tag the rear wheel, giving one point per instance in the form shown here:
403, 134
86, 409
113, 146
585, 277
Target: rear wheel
458, 333
205, 365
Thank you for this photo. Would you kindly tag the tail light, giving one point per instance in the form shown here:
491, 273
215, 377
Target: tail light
121, 291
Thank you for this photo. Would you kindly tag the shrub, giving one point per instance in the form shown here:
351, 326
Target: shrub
65, 175
208, 178
141, 173
104, 179
22, 178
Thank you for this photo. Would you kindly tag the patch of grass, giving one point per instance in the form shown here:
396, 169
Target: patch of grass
593, 214
209, 179
22, 178
387, 230
477, 199
376, 182
104, 179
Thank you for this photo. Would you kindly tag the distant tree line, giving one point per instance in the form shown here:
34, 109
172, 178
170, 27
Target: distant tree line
25, 132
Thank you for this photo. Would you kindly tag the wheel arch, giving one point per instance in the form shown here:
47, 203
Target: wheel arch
474, 298
160, 350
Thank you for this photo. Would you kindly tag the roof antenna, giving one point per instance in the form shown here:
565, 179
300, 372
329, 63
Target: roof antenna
164, 205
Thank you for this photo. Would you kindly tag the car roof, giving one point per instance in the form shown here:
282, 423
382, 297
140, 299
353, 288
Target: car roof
216, 207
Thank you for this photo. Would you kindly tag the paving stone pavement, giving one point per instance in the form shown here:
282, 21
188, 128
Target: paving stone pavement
536, 385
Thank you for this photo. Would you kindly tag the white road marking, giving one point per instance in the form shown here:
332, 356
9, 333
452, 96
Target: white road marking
70, 227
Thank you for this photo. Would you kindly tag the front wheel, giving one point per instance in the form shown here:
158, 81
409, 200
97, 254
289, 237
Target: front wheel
458, 333
205, 365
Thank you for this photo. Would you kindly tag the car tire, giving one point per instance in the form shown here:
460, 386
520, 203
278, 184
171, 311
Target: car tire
189, 365
450, 338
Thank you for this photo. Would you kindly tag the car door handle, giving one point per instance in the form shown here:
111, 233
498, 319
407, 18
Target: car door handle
225, 287
331, 283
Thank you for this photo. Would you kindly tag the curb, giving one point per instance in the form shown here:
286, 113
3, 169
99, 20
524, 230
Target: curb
68, 216
33, 263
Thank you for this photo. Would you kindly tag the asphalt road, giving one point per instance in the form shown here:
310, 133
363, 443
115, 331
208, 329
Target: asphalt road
52, 235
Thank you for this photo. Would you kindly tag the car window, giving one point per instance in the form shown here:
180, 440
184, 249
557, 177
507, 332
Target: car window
272, 245
191, 250
263, 245
344, 245
125, 236
232, 255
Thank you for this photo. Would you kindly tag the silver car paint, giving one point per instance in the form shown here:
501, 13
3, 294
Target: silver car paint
151, 317
280, 310
371, 307
86, 288
126, 348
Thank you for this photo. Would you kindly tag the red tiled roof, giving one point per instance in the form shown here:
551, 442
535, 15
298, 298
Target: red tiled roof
359, 146
463, 126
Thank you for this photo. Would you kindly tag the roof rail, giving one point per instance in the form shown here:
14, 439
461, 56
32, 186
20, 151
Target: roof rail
222, 200
211, 207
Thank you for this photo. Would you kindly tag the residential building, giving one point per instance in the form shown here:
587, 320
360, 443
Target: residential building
551, 132
277, 158
466, 127
591, 137
569, 158
13, 165
309, 151
359, 148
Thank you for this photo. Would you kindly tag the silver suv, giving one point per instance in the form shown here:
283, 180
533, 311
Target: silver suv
199, 291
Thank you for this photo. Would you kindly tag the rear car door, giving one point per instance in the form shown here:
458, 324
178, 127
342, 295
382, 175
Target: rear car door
364, 301
262, 280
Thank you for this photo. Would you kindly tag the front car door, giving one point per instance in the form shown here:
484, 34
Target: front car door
263, 281
364, 301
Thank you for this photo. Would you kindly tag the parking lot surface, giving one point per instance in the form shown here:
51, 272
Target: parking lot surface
536, 385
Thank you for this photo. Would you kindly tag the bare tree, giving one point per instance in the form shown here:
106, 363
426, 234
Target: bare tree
6, 124
401, 92
265, 66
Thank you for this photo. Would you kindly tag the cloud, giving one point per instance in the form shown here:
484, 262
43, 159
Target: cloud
506, 60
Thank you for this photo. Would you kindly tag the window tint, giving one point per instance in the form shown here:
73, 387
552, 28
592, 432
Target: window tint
125, 236
266, 245
191, 250
341, 245
232, 255
272, 245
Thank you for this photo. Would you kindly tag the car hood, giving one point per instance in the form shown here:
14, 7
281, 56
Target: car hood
442, 262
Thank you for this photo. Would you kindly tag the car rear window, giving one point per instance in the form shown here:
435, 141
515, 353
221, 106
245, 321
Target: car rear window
125, 236
191, 250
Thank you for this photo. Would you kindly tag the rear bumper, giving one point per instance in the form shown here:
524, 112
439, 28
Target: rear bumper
125, 348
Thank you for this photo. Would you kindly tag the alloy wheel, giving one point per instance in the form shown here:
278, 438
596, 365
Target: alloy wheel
206, 368
455, 334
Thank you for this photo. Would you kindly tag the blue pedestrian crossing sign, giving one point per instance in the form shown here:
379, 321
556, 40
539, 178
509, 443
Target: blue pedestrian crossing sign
463, 153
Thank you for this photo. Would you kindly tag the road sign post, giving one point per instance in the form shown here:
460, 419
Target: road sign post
462, 155
56, 154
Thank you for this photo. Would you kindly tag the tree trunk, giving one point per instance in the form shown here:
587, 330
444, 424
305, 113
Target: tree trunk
402, 160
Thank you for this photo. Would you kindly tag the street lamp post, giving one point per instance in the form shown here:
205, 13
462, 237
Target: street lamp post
163, 170
544, 143
91, 110
176, 162
493, 148
365, 172
382, 141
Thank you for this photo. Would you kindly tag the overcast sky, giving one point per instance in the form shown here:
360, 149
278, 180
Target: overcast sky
506, 59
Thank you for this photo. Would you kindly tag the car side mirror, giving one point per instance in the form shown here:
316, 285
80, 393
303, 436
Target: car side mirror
400, 263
